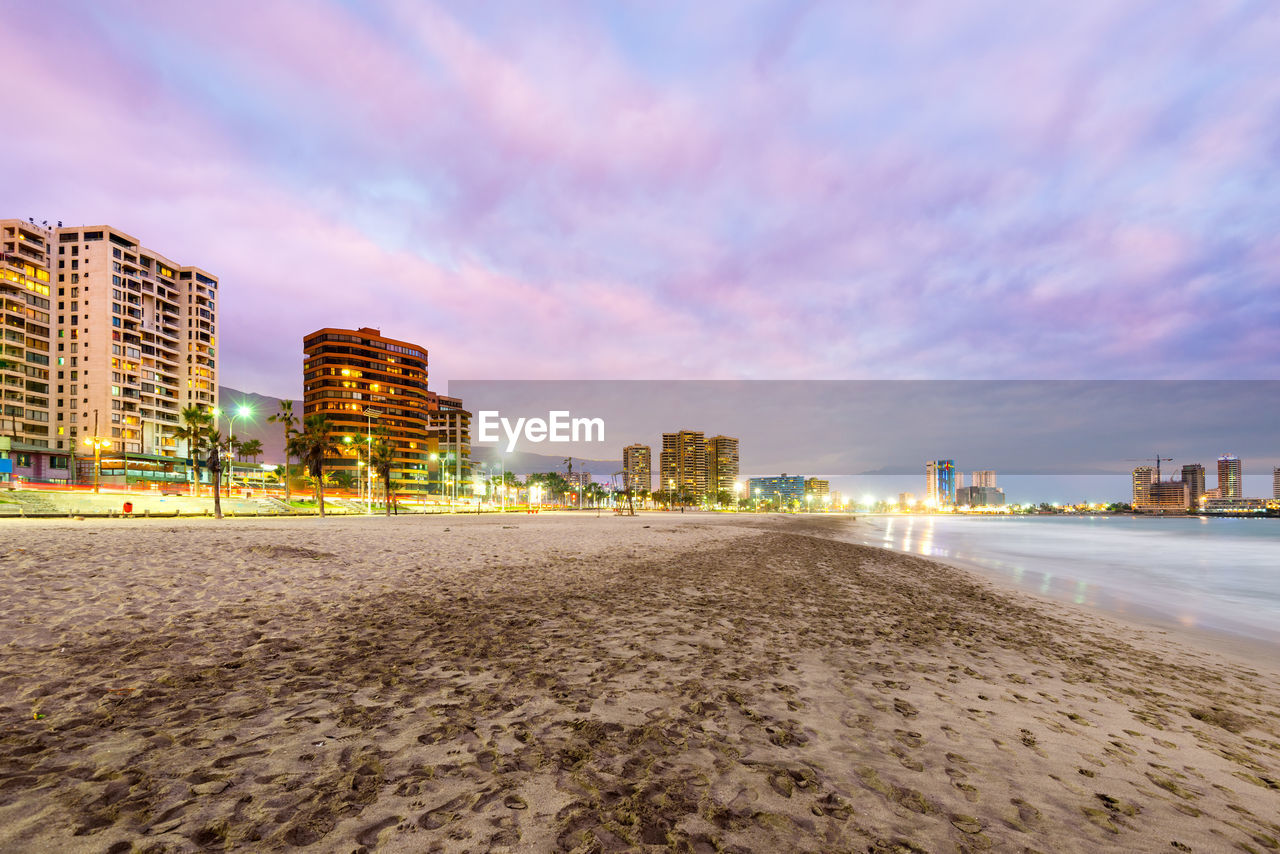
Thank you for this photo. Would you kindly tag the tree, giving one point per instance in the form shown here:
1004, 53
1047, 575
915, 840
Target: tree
249, 450
312, 445
285, 417
216, 462
383, 458
555, 485
194, 431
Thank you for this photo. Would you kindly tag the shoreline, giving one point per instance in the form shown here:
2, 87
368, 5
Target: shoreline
1253, 642
568, 683
1256, 651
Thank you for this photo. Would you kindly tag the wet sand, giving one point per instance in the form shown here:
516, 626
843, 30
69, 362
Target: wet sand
573, 683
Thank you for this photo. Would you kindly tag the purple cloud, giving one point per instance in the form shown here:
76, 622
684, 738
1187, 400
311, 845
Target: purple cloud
1062, 191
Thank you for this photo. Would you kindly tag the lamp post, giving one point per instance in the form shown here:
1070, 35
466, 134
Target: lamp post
241, 411
369, 415
434, 458
346, 440
97, 444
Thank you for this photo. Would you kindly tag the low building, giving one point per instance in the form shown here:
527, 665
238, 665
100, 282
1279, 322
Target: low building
781, 491
816, 486
1164, 496
980, 496
1240, 506
21, 462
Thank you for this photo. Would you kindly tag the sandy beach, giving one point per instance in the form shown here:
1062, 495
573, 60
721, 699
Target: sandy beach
572, 683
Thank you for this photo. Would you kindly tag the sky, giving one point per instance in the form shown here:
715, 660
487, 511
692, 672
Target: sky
1064, 189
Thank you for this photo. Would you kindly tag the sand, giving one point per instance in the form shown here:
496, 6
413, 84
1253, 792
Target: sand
573, 683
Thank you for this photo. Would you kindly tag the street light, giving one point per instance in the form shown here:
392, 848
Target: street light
243, 410
346, 440
369, 415
97, 444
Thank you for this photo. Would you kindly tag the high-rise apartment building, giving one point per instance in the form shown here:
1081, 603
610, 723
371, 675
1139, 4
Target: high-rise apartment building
637, 468
1143, 477
1229, 476
682, 465
137, 343
984, 478
1193, 477
1275, 482
722, 464
28, 435
362, 382
940, 483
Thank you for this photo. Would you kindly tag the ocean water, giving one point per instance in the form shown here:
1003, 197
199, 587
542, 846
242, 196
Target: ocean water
1221, 575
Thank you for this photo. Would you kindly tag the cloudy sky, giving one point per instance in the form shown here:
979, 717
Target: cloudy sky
720, 190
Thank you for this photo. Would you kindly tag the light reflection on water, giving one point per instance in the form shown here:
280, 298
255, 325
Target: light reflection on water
1219, 574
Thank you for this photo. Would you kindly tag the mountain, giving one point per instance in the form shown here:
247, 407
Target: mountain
524, 462
256, 426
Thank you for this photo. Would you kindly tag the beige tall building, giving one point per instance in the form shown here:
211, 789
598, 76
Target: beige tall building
26, 353
637, 467
722, 464
983, 478
137, 343
682, 465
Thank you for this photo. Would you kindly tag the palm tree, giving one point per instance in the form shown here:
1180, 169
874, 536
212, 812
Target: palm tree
194, 431
249, 450
382, 460
285, 417
224, 460
312, 446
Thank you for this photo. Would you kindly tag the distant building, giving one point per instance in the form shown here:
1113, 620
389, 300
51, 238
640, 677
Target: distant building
980, 496
959, 481
940, 483
983, 478
682, 465
722, 464
783, 490
1193, 477
906, 499
1241, 506
1167, 496
1229, 471
637, 468
450, 425
817, 486
1143, 477
1212, 494
1275, 482
579, 479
